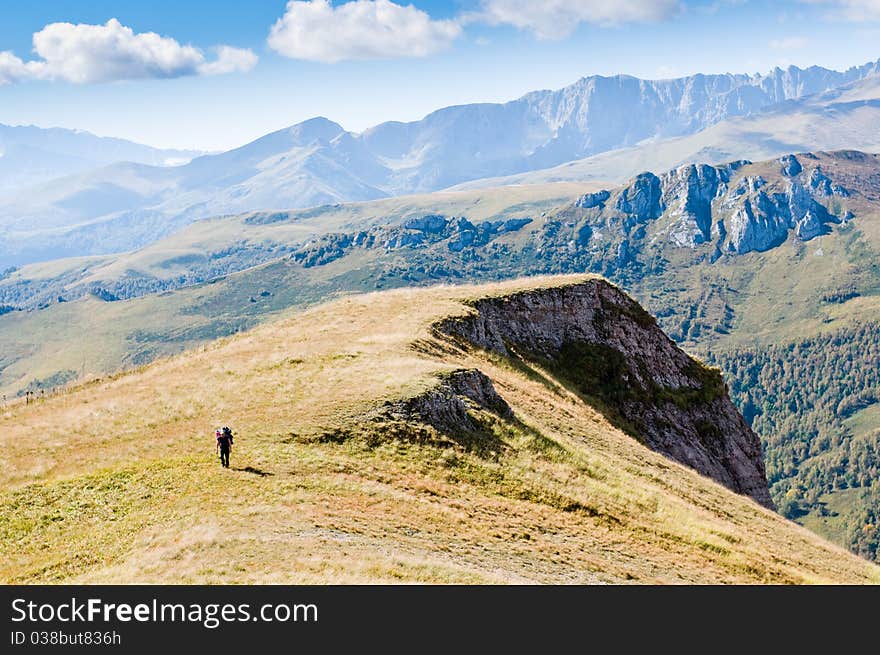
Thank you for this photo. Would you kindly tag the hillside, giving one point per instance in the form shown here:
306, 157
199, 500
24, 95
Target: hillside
722, 254
377, 444
793, 272
126, 206
228, 244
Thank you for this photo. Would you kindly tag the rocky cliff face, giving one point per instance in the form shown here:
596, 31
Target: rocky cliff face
602, 344
737, 208
593, 115
446, 406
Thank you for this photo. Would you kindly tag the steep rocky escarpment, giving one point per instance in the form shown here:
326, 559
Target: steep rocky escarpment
738, 207
602, 344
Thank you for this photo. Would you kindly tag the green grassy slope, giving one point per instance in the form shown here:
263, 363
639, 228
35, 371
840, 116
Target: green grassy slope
786, 295
214, 247
115, 481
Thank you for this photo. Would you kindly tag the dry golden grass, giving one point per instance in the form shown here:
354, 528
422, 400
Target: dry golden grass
116, 481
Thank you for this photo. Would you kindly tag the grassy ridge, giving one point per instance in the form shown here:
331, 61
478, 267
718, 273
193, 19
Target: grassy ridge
794, 292
116, 481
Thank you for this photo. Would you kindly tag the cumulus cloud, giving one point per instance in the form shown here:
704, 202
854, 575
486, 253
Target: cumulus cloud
84, 54
102, 53
12, 68
556, 19
855, 10
315, 30
229, 60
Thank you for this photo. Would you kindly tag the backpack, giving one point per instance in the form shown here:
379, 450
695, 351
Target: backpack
227, 436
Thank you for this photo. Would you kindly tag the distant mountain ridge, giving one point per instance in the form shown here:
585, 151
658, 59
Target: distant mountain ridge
125, 206
593, 115
626, 232
31, 155
842, 118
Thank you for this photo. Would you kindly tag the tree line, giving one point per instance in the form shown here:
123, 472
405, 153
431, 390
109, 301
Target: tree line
798, 397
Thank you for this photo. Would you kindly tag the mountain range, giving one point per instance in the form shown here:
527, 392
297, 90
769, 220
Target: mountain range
768, 269
31, 155
127, 205
844, 117
743, 212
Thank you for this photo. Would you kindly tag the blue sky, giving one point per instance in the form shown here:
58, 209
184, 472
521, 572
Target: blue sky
364, 62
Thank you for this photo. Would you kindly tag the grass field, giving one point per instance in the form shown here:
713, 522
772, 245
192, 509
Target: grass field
116, 480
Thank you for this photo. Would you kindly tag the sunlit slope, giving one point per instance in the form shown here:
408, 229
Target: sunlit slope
116, 481
844, 118
221, 245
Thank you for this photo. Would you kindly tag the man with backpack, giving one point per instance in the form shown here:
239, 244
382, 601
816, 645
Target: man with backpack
224, 445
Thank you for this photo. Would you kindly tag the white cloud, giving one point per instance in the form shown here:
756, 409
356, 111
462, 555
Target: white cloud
102, 53
556, 19
229, 60
12, 68
84, 54
855, 10
363, 29
790, 43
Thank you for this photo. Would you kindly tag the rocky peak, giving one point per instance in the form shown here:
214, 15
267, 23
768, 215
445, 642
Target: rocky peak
642, 198
590, 200
431, 223
738, 207
790, 166
762, 219
689, 192
746, 184
600, 343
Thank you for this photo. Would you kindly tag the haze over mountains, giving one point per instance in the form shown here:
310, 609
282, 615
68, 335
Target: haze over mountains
768, 269
127, 205
31, 155
844, 117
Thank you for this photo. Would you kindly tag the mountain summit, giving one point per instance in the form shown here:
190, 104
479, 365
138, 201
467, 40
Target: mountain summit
593, 115
125, 206
31, 155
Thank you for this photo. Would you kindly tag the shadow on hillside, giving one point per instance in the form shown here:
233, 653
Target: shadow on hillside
255, 471
605, 392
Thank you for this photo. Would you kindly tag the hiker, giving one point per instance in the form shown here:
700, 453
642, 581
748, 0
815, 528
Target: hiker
224, 445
